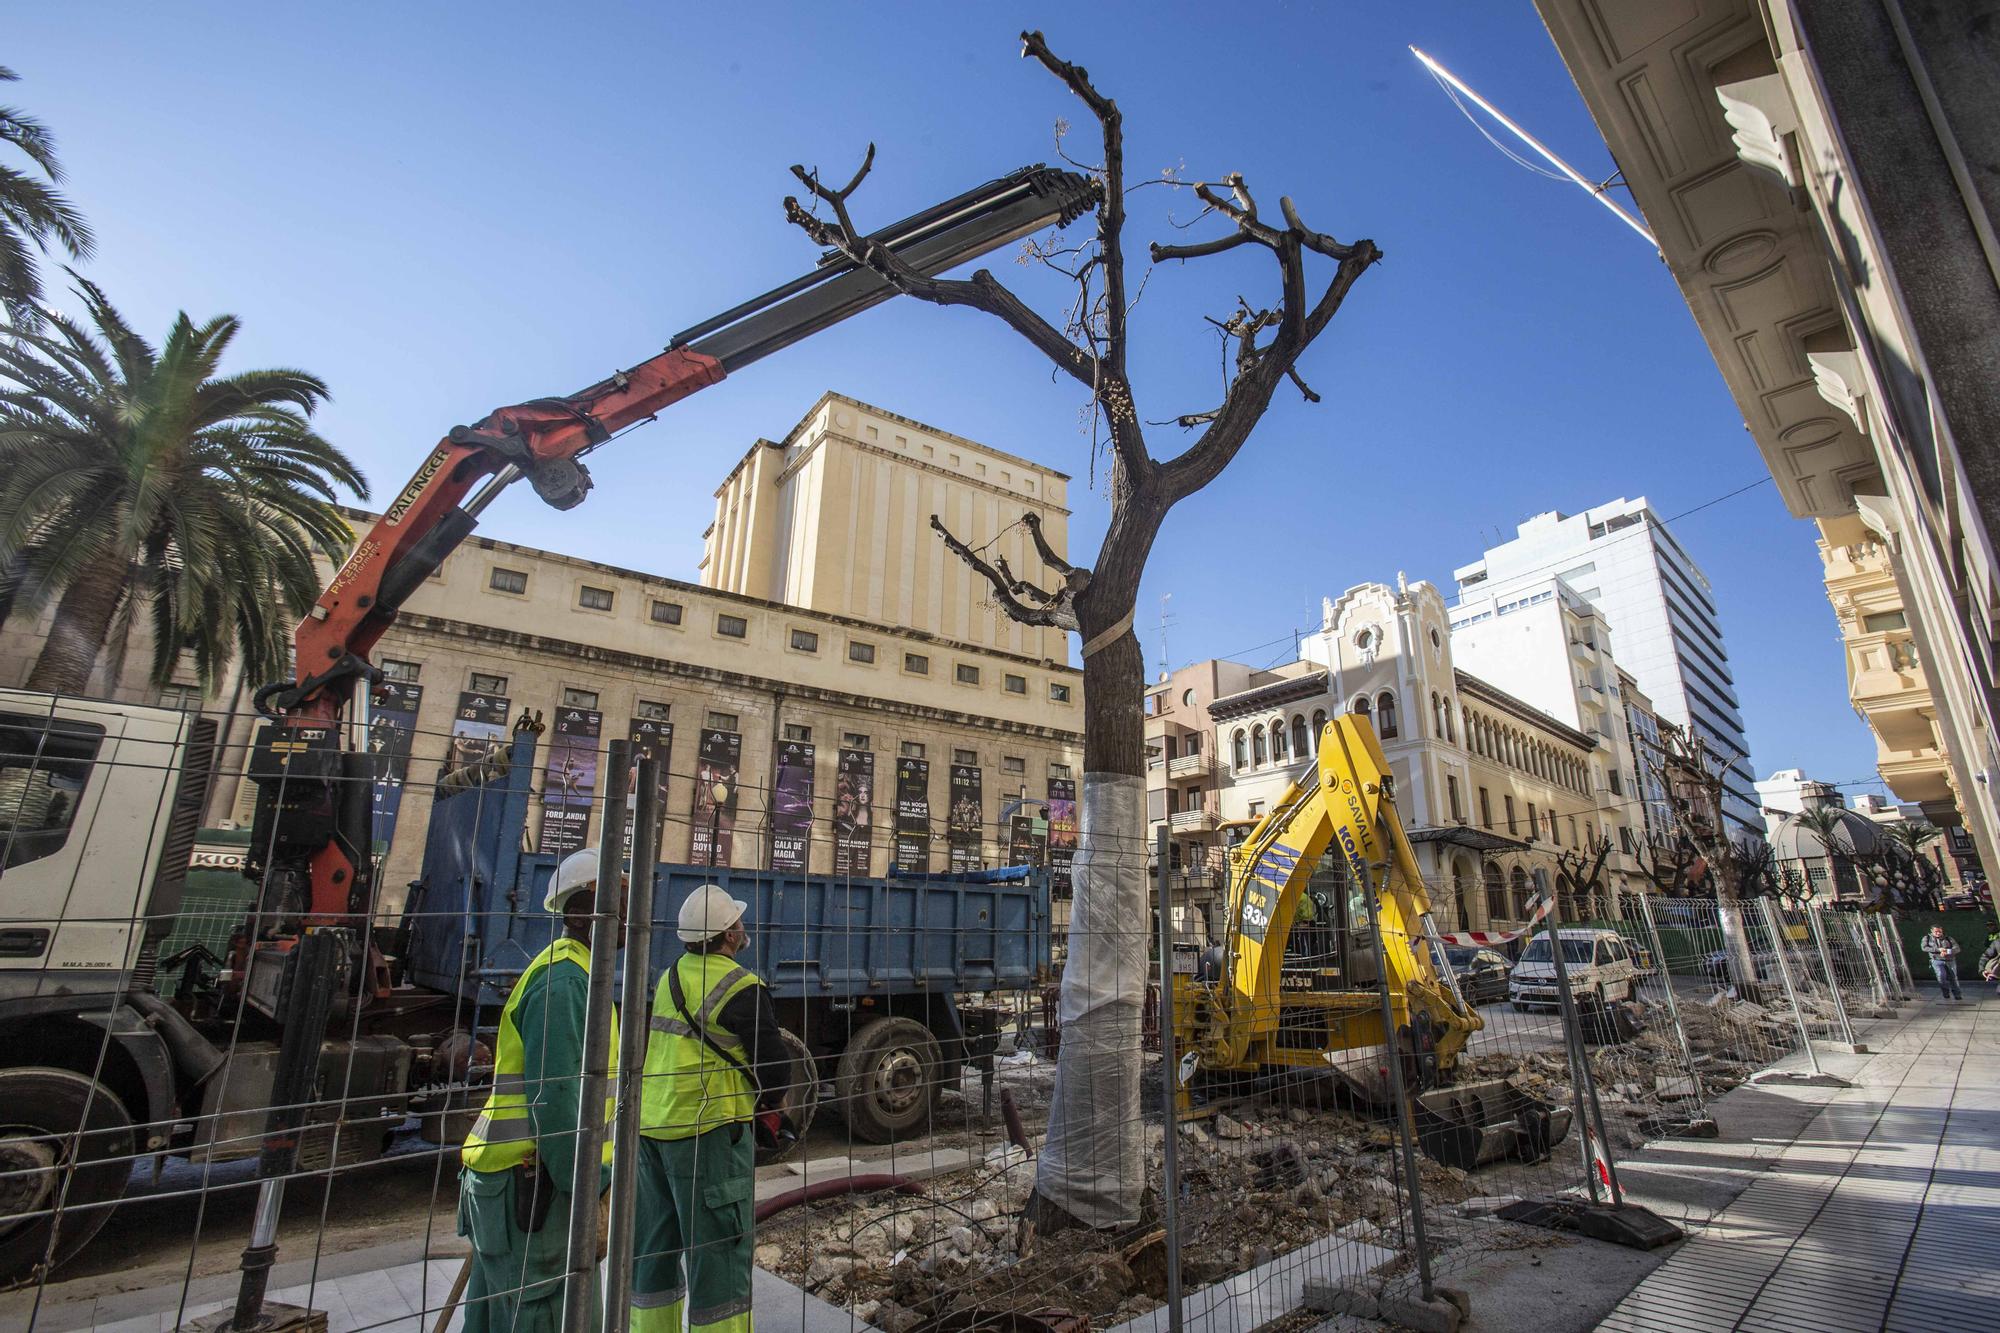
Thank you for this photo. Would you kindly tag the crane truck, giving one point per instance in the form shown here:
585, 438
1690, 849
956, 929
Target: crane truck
100, 802
1279, 994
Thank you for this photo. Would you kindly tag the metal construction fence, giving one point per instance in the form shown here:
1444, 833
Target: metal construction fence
990, 1105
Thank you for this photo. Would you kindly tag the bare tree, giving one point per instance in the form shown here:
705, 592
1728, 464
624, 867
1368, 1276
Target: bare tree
1693, 779
1580, 877
1090, 1171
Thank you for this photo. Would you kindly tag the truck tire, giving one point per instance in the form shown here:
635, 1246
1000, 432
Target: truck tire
46, 1164
888, 1079
800, 1105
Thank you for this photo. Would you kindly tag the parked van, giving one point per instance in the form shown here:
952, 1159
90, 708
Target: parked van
1599, 963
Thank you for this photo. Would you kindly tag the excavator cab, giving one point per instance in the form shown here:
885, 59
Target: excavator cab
1326, 911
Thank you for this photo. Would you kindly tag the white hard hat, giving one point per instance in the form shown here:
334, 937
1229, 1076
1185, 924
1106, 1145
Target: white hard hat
708, 912
576, 872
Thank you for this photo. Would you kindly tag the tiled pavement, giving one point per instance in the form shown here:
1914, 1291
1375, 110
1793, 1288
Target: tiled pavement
1883, 1215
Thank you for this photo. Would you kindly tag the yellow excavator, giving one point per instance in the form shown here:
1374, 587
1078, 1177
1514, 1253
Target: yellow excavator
1324, 901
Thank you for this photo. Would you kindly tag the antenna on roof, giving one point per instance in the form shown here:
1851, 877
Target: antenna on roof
1166, 666
1454, 86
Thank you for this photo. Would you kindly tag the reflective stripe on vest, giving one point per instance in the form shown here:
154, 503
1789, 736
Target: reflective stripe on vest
689, 1089
503, 1136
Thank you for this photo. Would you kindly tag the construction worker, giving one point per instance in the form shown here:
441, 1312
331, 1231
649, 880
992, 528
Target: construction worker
717, 1067
520, 1158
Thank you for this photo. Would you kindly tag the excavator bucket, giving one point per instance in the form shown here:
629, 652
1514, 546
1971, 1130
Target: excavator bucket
1473, 1124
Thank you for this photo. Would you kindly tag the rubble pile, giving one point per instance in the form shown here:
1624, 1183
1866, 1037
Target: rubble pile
1257, 1182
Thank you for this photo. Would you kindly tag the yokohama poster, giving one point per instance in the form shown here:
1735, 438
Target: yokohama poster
853, 812
652, 736
792, 806
718, 761
913, 817
569, 781
1062, 833
392, 721
963, 817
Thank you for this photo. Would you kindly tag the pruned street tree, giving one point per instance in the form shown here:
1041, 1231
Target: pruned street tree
1091, 1169
1580, 878
1693, 781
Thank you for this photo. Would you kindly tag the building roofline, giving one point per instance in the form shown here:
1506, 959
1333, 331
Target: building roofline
1526, 712
834, 396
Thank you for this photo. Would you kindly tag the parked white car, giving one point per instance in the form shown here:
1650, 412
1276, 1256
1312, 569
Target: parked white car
1599, 962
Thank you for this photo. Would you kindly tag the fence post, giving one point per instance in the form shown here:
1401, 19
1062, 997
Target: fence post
1589, 1115
637, 1007
1673, 1004
1170, 1167
1892, 949
1776, 927
1393, 1058
579, 1287
1832, 978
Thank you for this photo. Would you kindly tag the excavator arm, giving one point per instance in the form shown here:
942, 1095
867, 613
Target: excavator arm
312, 835
1262, 1005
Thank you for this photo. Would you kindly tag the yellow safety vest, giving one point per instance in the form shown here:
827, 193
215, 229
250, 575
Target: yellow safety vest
503, 1137
689, 1088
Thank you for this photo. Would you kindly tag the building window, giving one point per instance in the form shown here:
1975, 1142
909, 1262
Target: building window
722, 721
1015, 684
647, 708
1256, 809
965, 756
485, 684
1485, 809
1496, 892
1509, 802
1534, 823
796, 732
1058, 692
1192, 745
853, 740
1361, 707
404, 671
185, 698
1451, 798
579, 698
507, 580
911, 749
805, 641
1519, 881
966, 674
1319, 724
1301, 744
1259, 747
1385, 715
1061, 771
593, 599
863, 652
666, 613
1617, 785
1278, 741
1242, 752
916, 664
1013, 763
731, 627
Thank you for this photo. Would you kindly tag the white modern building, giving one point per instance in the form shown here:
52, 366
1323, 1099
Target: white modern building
1653, 597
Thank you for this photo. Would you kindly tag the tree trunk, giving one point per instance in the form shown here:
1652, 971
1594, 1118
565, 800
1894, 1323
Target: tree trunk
82, 622
1092, 1168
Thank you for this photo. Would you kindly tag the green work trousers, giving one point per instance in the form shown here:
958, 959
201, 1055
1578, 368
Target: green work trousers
516, 1285
692, 1237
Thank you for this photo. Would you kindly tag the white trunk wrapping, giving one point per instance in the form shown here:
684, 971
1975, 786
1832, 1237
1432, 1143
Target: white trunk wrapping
1093, 1164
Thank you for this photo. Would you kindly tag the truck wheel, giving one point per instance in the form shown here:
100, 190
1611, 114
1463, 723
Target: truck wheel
800, 1104
888, 1078
65, 1143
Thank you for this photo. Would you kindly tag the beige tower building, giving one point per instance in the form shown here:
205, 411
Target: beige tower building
836, 518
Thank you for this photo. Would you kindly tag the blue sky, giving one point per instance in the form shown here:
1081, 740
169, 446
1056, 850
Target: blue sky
444, 208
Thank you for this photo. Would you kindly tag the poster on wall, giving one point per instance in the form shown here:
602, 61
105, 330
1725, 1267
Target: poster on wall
792, 805
392, 722
712, 825
853, 812
913, 817
652, 736
1021, 841
569, 781
478, 729
962, 820
1062, 833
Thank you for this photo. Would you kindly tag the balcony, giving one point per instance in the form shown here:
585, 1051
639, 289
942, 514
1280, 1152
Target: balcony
1193, 821
1200, 765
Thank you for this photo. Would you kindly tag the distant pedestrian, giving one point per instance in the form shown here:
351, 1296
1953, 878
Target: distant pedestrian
1989, 961
1942, 950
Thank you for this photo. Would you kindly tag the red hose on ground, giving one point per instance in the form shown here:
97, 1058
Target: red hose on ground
833, 1189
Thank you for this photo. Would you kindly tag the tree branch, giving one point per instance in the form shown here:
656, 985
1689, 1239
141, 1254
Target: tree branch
1033, 523
1057, 611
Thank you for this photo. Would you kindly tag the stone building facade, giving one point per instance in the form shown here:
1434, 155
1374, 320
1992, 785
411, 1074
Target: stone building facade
951, 738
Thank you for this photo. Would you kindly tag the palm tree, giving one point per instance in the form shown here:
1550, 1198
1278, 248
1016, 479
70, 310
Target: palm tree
137, 483
32, 215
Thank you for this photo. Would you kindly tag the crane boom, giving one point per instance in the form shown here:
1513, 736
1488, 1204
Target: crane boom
312, 834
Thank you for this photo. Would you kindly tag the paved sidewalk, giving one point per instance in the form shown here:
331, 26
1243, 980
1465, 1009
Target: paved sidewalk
1883, 1214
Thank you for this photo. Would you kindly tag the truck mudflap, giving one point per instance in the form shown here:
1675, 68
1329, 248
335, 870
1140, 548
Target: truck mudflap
1474, 1124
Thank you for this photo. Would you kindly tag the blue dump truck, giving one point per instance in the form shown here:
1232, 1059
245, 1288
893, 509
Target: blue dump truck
890, 986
